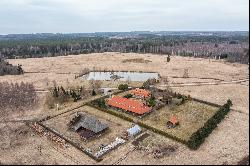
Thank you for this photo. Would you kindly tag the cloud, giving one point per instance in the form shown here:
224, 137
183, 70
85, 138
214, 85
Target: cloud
30, 16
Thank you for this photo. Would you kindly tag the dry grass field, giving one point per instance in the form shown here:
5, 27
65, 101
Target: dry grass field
192, 115
227, 144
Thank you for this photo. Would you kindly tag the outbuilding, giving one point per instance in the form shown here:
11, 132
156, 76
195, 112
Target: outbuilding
87, 126
134, 131
173, 122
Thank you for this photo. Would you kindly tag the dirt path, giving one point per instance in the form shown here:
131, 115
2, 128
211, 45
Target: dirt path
206, 83
124, 157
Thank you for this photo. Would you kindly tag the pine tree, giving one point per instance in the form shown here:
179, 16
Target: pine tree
168, 58
93, 93
55, 92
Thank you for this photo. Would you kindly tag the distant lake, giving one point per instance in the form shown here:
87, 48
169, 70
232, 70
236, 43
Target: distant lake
121, 76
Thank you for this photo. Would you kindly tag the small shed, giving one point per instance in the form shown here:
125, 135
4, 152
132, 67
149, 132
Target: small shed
107, 91
173, 122
134, 131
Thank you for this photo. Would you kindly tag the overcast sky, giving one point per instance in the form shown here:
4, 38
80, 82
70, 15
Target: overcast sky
69, 16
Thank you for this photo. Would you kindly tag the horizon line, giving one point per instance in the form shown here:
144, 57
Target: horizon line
124, 32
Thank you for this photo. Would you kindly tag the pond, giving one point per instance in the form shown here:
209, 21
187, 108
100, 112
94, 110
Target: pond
121, 76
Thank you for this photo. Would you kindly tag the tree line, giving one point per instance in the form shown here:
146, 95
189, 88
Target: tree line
232, 48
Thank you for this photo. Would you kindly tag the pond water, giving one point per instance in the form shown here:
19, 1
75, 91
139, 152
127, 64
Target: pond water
121, 76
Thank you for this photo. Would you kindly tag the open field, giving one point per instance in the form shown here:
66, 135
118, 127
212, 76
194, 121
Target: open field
63, 70
228, 143
22, 146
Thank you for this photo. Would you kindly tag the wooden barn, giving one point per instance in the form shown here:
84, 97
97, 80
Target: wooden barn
87, 127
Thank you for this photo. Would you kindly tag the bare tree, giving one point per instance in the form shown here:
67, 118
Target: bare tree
165, 81
54, 83
185, 75
17, 96
95, 84
128, 80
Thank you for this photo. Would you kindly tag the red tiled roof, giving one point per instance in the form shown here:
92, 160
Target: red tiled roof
140, 92
128, 105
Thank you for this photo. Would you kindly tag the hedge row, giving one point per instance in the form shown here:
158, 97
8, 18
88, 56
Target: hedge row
199, 136
111, 112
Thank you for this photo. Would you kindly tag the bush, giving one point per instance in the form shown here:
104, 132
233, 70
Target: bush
128, 96
123, 87
168, 59
146, 85
93, 93
9, 69
151, 102
183, 98
101, 103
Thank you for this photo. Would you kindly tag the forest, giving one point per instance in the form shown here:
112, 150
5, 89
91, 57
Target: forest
232, 48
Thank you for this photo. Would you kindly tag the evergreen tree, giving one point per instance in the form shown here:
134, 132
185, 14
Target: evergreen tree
55, 92
168, 58
93, 93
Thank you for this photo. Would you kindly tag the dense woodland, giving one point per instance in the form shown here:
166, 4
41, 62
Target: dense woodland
233, 48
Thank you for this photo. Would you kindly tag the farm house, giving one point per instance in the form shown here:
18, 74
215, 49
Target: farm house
129, 105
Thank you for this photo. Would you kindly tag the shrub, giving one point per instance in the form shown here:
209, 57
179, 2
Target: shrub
185, 74
168, 58
128, 96
183, 98
151, 102
9, 69
123, 87
146, 85
101, 103
93, 93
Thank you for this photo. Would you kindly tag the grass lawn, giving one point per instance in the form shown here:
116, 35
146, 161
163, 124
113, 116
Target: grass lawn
191, 115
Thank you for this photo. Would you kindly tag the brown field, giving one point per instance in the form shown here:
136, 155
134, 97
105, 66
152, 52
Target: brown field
228, 144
